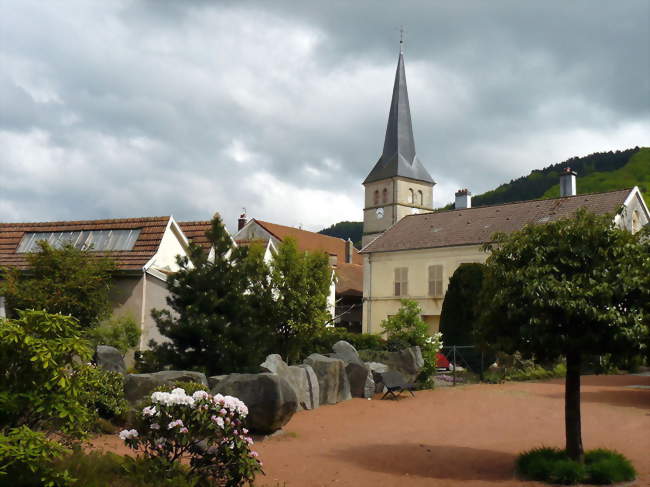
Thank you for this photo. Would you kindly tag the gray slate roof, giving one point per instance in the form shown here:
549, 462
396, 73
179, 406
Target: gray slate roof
474, 226
398, 157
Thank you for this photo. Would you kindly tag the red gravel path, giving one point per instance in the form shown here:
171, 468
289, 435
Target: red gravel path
466, 435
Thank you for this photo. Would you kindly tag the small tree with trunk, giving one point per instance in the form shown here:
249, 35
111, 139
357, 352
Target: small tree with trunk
568, 288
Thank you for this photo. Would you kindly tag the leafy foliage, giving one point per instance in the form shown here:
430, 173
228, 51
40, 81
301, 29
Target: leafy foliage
326, 337
42, 356
567, 288
554, 466
103, 391
346, 230
121, 332
27, 459
207, 431
407, 329
540, 181
300, 283
62, 280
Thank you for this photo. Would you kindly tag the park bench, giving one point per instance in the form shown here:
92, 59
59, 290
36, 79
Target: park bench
395, 382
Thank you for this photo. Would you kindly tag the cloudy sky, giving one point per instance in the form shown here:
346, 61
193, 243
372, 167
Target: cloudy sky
137, 108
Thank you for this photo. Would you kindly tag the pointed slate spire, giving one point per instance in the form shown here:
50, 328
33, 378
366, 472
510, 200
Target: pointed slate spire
398, 157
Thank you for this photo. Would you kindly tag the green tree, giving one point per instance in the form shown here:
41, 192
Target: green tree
459, 309
301, 285
121, 332
408, 329
220, 320
62, 280
567, 288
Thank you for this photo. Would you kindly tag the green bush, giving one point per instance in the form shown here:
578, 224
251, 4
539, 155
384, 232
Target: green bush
27, 460
407, 329
103, 391
121, 332
42, 357
325, 337
553, 465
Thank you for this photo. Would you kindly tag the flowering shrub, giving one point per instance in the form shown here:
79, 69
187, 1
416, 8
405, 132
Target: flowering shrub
207, 430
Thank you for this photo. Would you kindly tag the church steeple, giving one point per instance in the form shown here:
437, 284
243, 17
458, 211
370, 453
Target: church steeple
398, 157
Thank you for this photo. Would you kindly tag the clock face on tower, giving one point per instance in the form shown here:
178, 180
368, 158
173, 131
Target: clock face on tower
380, 213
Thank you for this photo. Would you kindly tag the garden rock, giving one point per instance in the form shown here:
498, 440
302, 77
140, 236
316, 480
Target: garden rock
377, 368
214, 380
109, 358
361, 381
332, 378
139, 386
302, 378
408, 361
271, 401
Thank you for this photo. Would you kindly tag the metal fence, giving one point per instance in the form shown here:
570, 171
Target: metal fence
468, 357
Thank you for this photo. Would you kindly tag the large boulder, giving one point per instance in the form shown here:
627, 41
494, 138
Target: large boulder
271, 401
333, 382
109, 358
359, 376
139, 386
301, 378
408, 362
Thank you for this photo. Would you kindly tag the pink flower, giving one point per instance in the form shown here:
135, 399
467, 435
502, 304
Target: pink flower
183, 430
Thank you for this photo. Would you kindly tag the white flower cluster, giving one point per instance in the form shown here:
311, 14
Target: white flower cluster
128, 434
149, 411
200, 395
231, 403
175, 398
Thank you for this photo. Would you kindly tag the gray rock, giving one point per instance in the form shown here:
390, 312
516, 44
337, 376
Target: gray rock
271, 401
333, 382
214, 380
109, 358
408, 361
139, 386
377, 369
301, 378
361, 381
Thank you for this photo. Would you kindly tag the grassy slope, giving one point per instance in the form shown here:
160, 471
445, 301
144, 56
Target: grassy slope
635, 173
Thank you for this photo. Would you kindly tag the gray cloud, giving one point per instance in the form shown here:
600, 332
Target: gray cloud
138, 108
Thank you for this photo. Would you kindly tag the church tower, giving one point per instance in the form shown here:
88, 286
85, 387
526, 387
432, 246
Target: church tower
398, 185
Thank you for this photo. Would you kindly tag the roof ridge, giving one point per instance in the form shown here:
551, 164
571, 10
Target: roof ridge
78, 222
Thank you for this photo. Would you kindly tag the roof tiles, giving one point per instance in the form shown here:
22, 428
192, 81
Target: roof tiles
477, 225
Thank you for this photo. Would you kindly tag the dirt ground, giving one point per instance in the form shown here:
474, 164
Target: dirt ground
466, 435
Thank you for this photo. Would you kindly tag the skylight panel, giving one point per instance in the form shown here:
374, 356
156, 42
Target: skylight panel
94, 240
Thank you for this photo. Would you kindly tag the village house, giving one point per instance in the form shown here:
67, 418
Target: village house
410, 251
344, 301
144, 251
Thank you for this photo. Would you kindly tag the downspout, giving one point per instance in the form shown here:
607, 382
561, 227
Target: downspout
369, 292
143, 308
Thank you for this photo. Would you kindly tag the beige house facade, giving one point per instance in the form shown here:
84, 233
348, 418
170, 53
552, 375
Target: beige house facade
416, 258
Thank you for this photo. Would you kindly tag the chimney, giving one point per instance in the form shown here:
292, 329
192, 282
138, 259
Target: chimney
242, 220
568, 183
348, 251
463, 199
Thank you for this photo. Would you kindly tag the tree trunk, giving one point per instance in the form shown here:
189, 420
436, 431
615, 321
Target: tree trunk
572, 423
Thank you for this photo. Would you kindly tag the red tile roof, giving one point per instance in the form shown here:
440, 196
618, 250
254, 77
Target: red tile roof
151, 232
477, 225
349, 279
311, 241
195, 232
